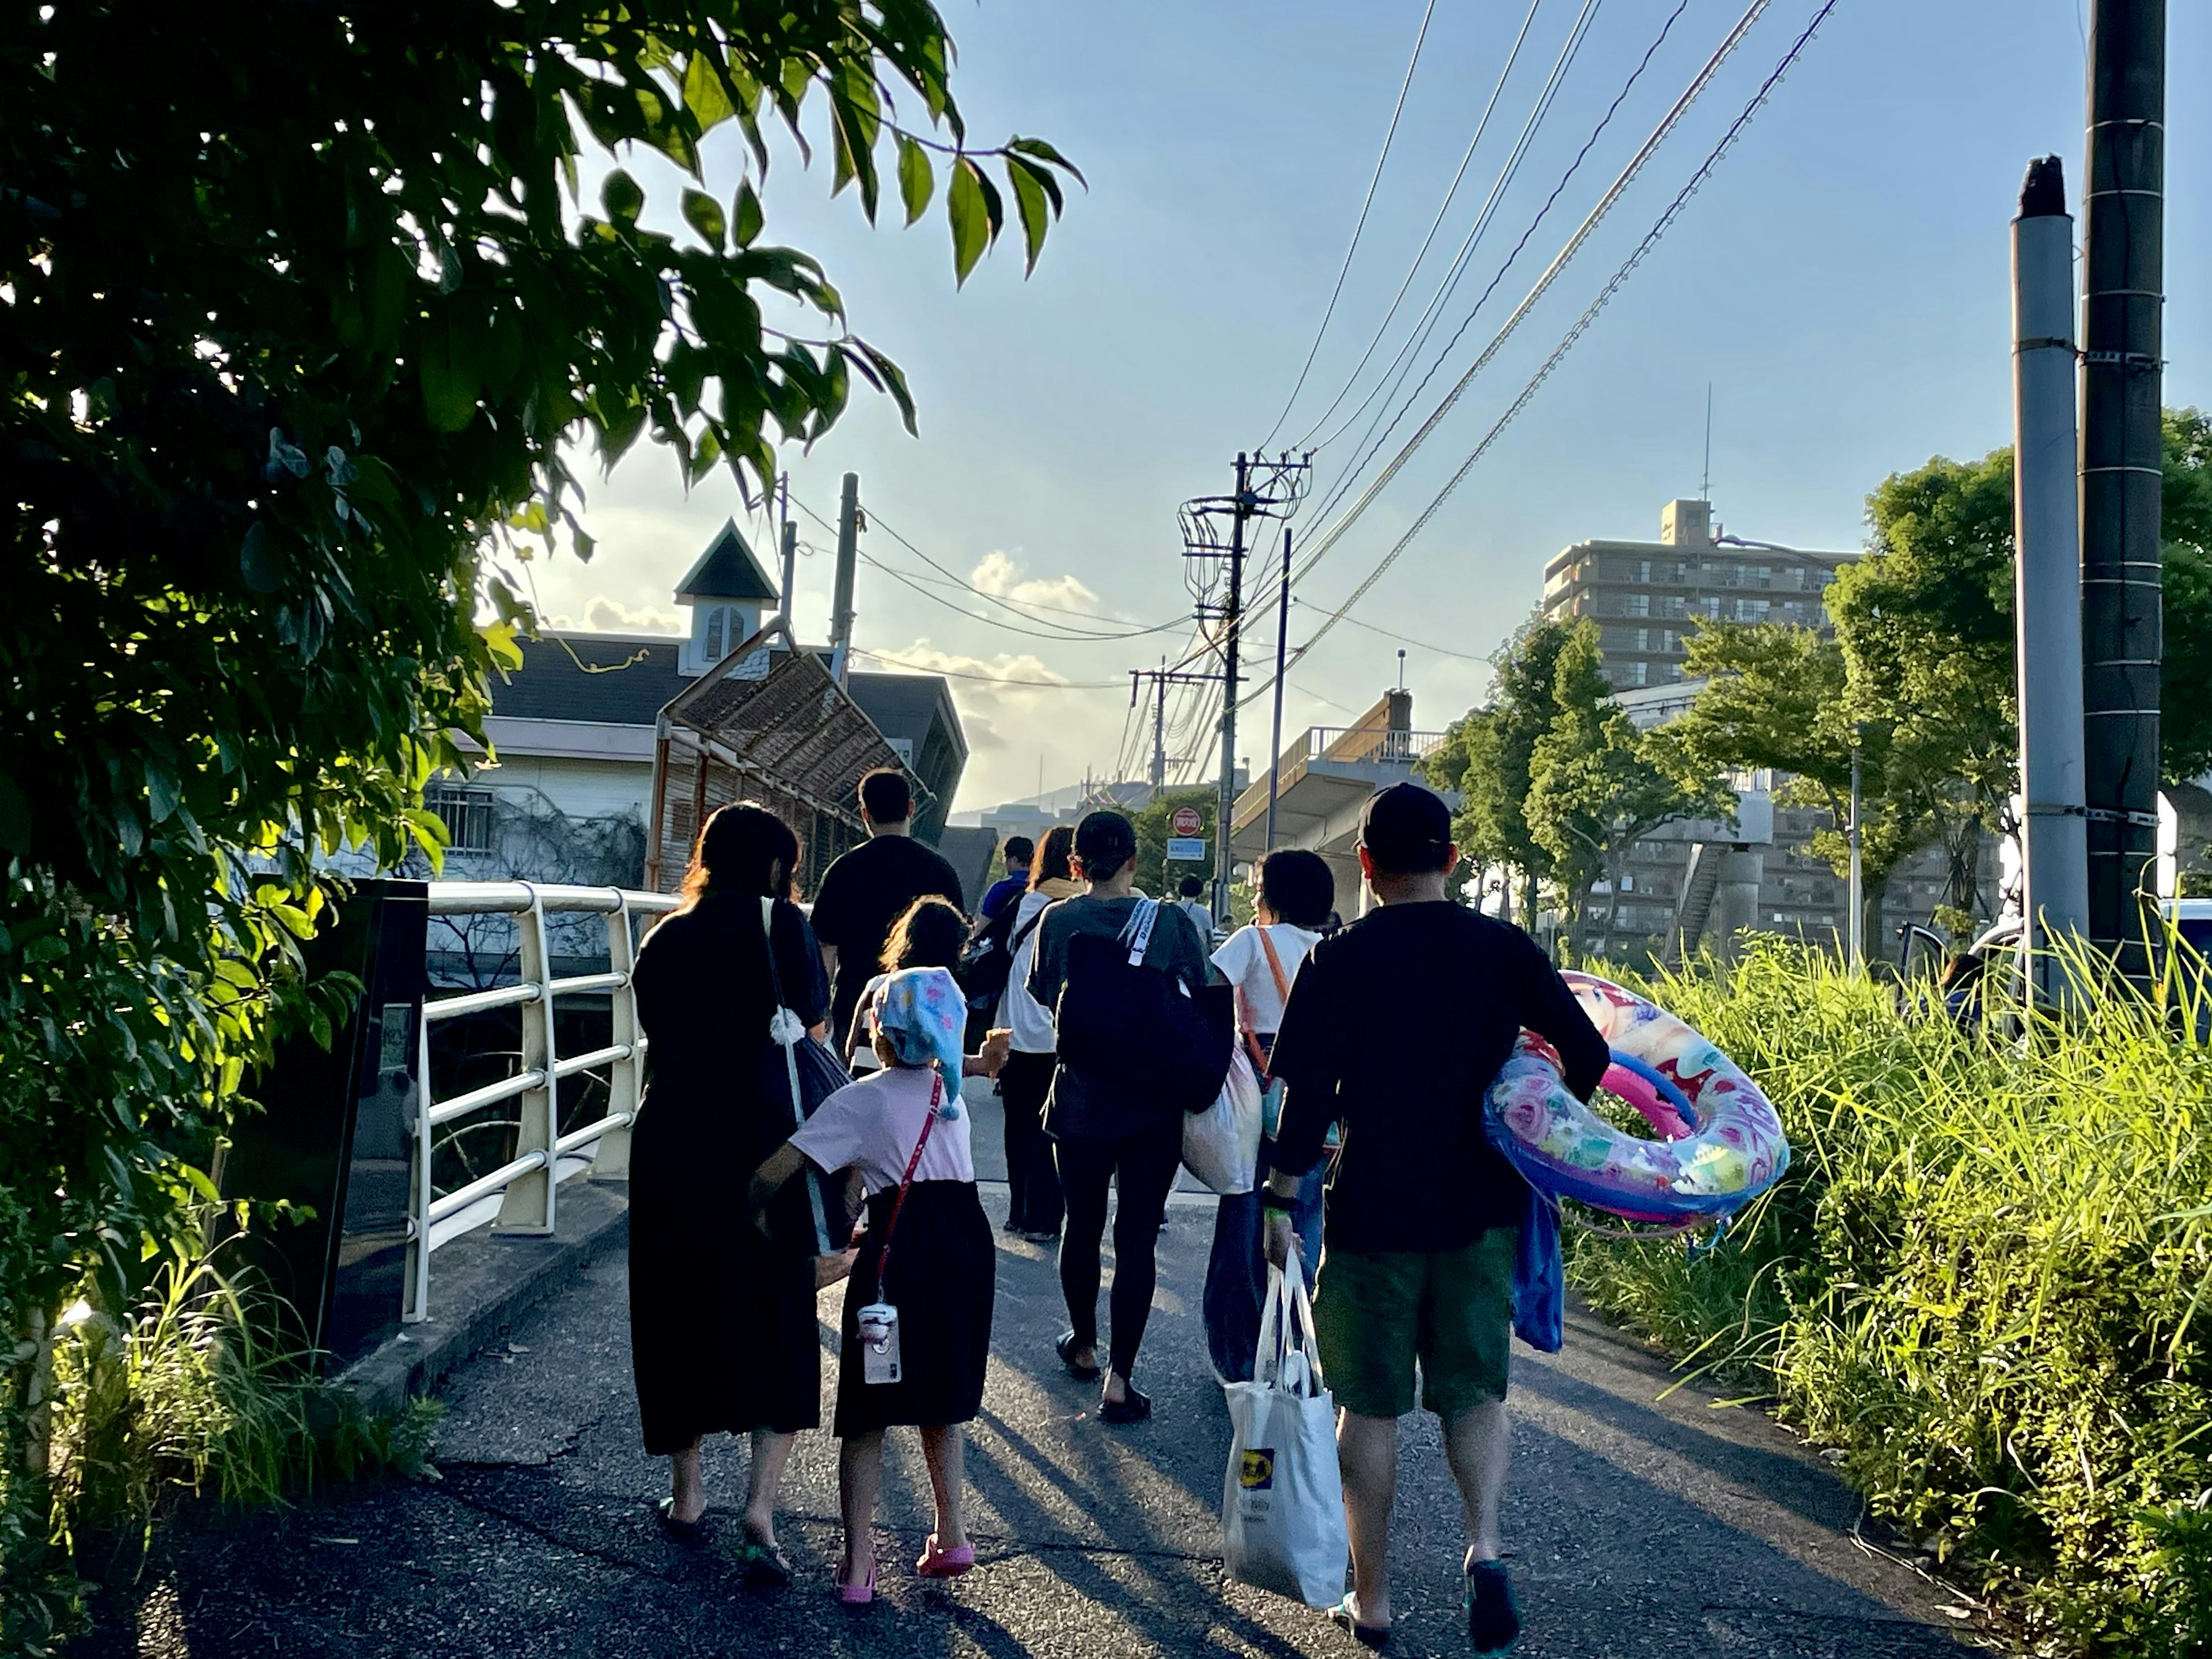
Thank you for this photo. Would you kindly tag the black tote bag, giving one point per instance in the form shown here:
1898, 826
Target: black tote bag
801, 1074
1139, 1031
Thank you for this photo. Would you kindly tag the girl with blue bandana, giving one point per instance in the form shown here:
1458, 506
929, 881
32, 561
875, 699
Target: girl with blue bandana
926, 1258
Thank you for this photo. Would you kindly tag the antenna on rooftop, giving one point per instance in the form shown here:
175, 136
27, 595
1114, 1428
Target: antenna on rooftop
1705, 484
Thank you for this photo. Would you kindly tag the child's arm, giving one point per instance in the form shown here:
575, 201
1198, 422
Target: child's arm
785, 1162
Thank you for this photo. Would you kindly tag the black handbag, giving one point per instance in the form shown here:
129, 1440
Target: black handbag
802, 1074
1139, 1030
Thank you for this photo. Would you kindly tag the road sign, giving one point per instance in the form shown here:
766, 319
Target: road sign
1187, 821
1184, 849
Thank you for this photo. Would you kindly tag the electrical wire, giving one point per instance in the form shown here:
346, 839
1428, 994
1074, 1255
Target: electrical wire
1581, 325
987, 679
1317, 548
1336, 292
1406, 639
1413, 269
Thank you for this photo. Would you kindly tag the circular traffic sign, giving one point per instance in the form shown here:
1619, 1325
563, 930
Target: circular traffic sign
1187, 821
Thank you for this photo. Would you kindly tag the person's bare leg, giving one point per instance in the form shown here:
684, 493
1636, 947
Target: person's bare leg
763, 1481
687, 1486
859, 1484
944, 1450
1476, 1444
1367, 1457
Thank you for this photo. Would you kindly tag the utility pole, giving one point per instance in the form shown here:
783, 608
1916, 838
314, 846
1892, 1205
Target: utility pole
848, 553
789, 590
1162, 677
1282, 662
2047, 578
1856, 932
1233, 623
2122, 467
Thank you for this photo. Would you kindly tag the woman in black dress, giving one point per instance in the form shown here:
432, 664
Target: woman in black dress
723, 1336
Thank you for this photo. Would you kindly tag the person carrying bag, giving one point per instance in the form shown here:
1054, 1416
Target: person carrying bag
1143, 1040
1282, 1501
811, 1074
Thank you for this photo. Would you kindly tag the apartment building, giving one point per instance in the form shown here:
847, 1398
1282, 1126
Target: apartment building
1647, 596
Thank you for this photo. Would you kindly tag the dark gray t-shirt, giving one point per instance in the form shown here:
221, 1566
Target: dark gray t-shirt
1078, 1107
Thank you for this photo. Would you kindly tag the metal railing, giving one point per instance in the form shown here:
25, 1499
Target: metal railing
522, 1195
1355, 743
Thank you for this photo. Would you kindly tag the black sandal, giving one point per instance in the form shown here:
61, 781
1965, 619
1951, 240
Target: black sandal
684, 1532
1368, 1635
1066, 1346
1131, 1407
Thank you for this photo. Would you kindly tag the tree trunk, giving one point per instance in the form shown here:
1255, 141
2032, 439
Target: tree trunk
1616, 861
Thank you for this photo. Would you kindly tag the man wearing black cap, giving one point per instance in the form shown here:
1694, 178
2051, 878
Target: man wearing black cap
1422, 1214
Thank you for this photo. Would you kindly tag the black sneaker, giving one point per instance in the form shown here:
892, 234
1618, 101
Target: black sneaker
1493, 1617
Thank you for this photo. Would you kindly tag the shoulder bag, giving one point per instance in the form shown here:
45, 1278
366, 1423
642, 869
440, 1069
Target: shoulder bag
877, 1323
1141, 1031
810, 1075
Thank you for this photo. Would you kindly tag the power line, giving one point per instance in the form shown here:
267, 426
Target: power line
1329, 538
1396, 109
1404, 639
1581, 325
989, 679
1450, 277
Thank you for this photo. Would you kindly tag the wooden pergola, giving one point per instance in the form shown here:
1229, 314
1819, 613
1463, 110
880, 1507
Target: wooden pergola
769, 723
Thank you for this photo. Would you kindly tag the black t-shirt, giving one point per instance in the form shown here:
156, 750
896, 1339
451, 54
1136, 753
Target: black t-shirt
1397, 1025
862, 893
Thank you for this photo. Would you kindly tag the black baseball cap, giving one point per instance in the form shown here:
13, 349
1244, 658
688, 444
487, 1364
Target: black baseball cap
1407, 830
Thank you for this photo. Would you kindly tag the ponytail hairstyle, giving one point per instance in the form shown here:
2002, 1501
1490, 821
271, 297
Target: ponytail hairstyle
929, 934
744, 849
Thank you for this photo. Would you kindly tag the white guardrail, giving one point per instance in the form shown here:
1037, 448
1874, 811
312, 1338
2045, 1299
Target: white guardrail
523, 1195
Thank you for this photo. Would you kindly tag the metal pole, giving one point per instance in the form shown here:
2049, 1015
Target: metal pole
1160, 728
1856, 935
2047, 574
1234, 615
1282, 643
849, 546
2122, 466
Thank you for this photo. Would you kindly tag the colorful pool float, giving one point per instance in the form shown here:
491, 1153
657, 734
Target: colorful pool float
1724, 1144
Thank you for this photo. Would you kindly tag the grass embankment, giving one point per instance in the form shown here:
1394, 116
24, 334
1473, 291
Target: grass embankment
1987, 1280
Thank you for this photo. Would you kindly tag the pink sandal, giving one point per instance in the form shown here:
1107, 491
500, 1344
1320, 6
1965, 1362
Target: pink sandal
855, 1595
944, 1564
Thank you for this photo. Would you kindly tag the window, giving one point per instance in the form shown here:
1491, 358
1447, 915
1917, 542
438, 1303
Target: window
1712, 608
466, 814
1750, 611
1758, 575
717, 621
1644, 570
1639, 605
1673, 605
1643, 639
1639, 673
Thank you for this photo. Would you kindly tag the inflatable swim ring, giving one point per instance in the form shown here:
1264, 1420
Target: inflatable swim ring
1724, 1145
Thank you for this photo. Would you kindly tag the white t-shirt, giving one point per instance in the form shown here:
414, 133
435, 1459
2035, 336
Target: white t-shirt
1030, 1020
1202, 916
1243, 963
871, 1125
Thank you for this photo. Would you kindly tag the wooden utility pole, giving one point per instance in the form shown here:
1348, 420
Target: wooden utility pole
2122, 466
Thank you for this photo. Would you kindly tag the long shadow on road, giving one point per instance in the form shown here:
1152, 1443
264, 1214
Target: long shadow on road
1642, 1529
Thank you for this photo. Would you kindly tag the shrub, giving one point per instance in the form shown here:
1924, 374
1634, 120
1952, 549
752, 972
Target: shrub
1984, 1279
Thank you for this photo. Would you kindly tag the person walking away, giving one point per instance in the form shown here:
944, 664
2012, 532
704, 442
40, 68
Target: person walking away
865, 891
1422, 1214
1101, 1136
1296, 892
1020, 851
1033, 1202
928, 1253
1191, 901
929, 933
723, 1338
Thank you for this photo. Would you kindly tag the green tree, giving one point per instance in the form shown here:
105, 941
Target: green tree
1597, 786
1154, 873
299, 319
1486, 755
2185, 527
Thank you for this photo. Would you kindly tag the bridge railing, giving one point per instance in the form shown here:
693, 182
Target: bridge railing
522, 1195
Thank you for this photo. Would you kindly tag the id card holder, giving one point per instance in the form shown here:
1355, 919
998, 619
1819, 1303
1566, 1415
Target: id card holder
879, 1331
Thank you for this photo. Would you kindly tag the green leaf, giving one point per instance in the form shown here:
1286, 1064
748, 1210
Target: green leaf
892, 379
704, 214
1044, 152
970, 218
917, 179
704, 95
448, 375
1029, 199
622, 198
750, 218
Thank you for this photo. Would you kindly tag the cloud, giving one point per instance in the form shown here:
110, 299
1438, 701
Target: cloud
604, 615
998, 574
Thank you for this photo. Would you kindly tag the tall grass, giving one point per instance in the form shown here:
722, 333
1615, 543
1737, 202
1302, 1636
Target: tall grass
1984, 1278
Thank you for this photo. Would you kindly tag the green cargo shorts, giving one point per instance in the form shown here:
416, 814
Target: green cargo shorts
1377, 1311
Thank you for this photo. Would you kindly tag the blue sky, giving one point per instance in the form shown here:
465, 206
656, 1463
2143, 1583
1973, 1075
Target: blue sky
1841, 281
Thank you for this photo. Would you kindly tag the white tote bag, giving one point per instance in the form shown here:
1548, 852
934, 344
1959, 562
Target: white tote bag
1282, 1504
1221, 1145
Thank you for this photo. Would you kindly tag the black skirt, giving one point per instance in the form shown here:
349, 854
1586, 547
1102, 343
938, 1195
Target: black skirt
944, 1274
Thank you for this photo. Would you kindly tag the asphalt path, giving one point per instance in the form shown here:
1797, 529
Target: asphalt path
1641, 1527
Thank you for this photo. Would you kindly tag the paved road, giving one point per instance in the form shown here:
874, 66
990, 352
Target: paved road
1641, 1527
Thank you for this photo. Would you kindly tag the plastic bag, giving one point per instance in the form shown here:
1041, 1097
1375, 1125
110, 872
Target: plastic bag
1221, 1145
1282, 1503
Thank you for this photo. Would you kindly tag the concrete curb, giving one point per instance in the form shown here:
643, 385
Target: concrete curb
481, 1286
